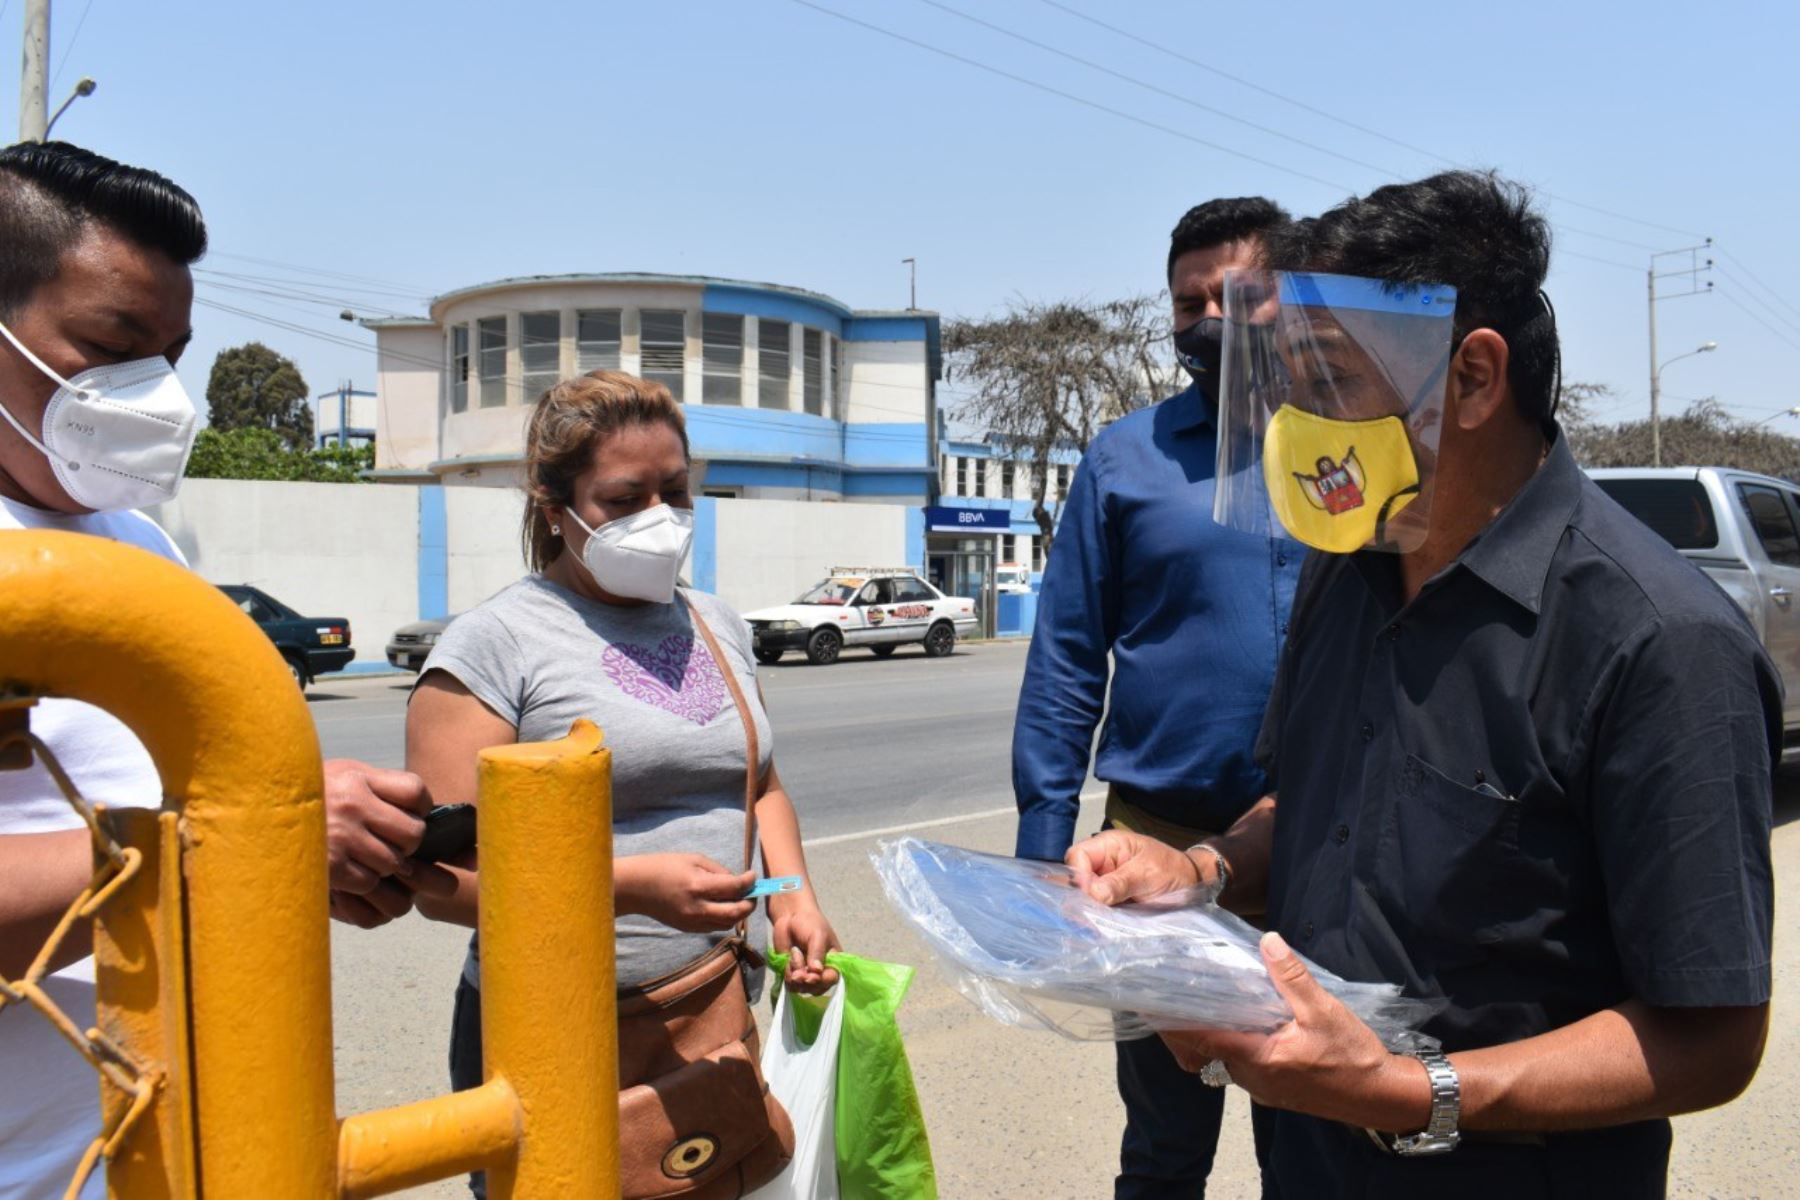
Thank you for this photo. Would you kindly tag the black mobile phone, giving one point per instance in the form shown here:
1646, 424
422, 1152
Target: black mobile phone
449, 832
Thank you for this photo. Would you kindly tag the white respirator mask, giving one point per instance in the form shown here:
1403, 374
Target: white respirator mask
117, 436
639, 557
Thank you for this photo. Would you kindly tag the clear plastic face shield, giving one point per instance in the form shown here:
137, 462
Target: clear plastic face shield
1330, 408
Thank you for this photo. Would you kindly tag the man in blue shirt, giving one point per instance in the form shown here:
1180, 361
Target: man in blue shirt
1191, 615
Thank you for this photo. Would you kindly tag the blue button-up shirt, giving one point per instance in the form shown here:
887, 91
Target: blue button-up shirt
1192, 614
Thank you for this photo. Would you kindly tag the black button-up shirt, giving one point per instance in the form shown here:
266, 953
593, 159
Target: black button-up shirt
1541, 788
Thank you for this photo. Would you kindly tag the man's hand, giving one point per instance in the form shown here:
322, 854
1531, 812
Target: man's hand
384, 902
1325, 1062
1116, 866
374, 819
801, 931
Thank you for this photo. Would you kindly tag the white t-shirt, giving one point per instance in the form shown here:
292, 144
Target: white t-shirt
47, 1124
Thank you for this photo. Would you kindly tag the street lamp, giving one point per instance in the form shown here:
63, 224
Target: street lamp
1656, 396
1786, 412
84, 88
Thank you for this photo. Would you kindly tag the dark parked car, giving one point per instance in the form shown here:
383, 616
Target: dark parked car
311, 645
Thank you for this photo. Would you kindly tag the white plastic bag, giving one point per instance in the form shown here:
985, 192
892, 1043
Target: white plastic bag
804, 1078
1031, 949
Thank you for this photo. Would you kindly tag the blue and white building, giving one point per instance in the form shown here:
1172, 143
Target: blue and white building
789, 394
985, 501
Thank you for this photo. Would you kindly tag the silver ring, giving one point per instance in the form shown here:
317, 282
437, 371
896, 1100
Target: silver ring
1214, 1074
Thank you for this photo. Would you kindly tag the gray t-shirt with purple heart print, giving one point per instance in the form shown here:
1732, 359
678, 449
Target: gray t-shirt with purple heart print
542, 656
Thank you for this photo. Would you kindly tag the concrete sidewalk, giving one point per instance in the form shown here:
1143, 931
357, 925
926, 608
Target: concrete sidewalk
1012, 1114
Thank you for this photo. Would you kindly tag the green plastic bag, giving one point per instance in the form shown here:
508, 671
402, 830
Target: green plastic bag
883, 1152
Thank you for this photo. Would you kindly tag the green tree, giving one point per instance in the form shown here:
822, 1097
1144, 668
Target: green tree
253, 387
261, 454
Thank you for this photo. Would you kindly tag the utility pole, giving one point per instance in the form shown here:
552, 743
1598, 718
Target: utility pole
1692, 273
34, 73
913, 292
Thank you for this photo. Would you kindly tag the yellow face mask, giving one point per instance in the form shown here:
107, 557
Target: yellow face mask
1335, 484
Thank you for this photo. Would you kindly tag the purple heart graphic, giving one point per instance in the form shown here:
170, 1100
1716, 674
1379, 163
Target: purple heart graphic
673, 675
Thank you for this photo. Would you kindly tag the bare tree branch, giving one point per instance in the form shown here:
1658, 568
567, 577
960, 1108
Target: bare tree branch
1046, 378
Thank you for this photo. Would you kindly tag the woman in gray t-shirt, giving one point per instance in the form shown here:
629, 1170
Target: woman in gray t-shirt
600, 630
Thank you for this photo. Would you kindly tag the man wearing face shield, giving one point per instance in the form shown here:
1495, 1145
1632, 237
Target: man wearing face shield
1183, 618
1521, 751
95, 299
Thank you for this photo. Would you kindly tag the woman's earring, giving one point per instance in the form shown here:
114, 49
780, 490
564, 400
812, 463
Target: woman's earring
556, 531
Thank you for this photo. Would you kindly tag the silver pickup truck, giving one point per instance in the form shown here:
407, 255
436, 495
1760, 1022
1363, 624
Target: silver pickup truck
1743, 530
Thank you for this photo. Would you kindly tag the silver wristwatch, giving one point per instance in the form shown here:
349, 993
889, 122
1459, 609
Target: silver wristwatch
1439, 1135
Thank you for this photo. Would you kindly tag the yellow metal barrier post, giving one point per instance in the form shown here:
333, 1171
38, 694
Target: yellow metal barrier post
212, 702
548, 1007
546, 834
212, 943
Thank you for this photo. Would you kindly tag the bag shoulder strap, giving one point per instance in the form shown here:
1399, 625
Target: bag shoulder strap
753, 764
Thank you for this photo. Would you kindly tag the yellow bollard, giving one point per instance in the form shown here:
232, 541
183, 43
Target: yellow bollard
207, 694
551, 1032
213, 960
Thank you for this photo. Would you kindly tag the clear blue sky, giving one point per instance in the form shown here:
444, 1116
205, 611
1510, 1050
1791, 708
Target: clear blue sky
438, 145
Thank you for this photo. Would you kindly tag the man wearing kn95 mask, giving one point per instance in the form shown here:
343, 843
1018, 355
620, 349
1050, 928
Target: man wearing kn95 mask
1520, 751
95, 300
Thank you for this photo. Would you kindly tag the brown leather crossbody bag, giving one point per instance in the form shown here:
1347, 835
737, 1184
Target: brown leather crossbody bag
696, 1119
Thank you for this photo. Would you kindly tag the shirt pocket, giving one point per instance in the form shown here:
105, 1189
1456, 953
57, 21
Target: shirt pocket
1448, 866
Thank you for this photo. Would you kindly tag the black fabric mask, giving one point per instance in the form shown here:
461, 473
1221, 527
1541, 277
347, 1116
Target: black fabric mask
1200, 348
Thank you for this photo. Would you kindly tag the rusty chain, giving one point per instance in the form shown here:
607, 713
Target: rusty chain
117, 865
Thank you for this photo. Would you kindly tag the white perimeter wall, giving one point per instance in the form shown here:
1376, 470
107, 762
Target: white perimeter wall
341, 550
322, 549
770, 551
485, 551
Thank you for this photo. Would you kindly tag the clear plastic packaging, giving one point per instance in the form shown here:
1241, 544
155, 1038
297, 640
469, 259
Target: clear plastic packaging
1031, 949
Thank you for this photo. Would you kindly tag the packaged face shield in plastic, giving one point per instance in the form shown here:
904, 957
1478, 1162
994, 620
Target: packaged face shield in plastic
1330, 408
1031, 949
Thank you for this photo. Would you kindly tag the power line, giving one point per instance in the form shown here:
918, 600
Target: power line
1786, 321
73, 38
1757, 317
1070, 96
1745, 267
1242, 82
243, 277
1611, 262
1160, 91
1043, 87
1348, 124
404, 289
305, 297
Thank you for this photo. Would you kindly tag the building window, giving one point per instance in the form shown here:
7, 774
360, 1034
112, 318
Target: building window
722, 356
812, 382
962, 475
540, 352
459, 369
981, 474
774, 352
597, 340
1037, 554
663, 336
1008, 543
1062, 479
1006, 481
490, 337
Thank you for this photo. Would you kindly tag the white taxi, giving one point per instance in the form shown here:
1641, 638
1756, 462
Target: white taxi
882, 608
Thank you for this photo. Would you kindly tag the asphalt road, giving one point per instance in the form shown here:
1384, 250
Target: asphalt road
866, 746
862, 744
